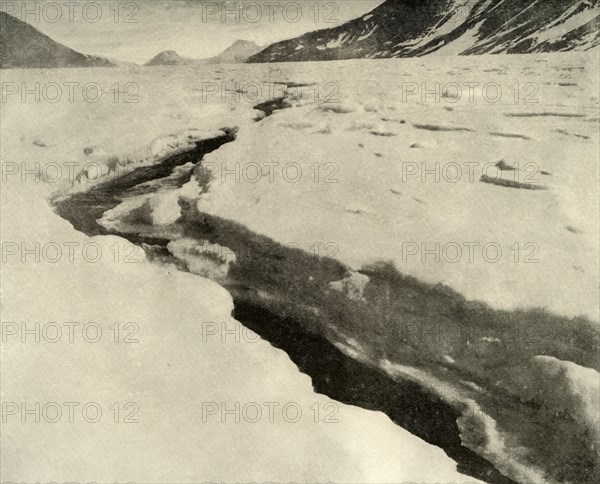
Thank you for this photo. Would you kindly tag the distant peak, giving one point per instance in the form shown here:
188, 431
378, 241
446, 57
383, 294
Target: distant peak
166, 57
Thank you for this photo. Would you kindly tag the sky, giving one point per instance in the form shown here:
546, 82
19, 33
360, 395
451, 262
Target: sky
137, 30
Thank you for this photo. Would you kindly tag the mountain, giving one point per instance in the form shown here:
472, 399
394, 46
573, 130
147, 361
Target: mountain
24, 47
236, 53
168, 58
409, 28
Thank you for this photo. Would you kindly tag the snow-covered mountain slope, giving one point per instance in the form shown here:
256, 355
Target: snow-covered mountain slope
236, 53
408, 28
24, 47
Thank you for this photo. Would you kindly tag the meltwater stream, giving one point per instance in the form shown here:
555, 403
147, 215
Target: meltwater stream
285, 295
268, 267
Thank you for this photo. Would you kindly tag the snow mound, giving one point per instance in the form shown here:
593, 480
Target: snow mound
567, 387
206, 260
171, 144
345, 107
158, 210
352, 286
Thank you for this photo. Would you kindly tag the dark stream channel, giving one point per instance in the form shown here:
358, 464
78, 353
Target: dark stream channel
333, 373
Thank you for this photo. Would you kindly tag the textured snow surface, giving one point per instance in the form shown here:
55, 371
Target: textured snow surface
364, 202
171, 371
376, 211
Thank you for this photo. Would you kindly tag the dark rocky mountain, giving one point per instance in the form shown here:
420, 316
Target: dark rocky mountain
24, 47
409, 28
236, 53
